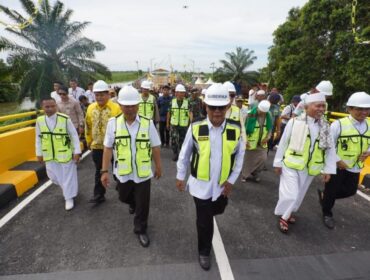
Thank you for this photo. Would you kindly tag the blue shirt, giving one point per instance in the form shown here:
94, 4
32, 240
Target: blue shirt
164, 102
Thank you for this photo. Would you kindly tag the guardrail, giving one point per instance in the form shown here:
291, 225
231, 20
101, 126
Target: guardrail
32, 114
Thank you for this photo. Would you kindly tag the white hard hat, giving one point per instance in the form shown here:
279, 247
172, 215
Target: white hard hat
217, 95
303, 96
100, 86
180, 88
261, 92
325, 87
264, 106
128, 95
230, 86
359, 99
146, 84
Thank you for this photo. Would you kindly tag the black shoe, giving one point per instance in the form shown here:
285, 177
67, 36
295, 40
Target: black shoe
143, 239
98, 198
205, 262
321, 195
329, 222
175, 157
131, 209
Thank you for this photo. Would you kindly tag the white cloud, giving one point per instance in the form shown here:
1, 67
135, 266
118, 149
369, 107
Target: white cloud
162, 29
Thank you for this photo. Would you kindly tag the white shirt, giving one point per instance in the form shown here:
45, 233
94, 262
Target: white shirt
76, 93
90, 96
132, 129
51, 122
330, 156
335, 131
288, 111
56, 96
203, 189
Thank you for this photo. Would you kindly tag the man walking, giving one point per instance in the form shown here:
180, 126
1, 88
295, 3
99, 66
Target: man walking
97, 116
132, 139
306, 150
178, 119
216, 149
351, 135
57, 145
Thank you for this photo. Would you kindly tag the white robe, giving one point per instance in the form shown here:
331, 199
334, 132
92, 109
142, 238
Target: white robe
62, 174
293, 183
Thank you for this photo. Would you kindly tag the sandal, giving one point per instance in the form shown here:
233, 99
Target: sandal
283, 225
292, 220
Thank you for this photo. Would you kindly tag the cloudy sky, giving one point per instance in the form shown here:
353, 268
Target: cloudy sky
162, 33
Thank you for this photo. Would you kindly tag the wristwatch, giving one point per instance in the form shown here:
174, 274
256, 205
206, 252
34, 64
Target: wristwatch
103, 171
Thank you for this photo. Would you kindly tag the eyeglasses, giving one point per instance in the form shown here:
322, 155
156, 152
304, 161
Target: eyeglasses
214, 108
62, 93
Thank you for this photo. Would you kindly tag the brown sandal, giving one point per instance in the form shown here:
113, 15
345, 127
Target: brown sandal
283, 225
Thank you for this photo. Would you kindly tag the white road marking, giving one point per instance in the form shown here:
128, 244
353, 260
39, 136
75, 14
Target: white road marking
221, 256
31, 197
23, 204
365, 196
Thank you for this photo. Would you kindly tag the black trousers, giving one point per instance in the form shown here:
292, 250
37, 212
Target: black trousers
137, 195
341, 185
164, 133
97, 156
206, 209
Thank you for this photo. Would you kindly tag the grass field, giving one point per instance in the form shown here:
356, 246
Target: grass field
123, 76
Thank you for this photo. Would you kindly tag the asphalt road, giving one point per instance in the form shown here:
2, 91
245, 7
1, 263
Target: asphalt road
97, 242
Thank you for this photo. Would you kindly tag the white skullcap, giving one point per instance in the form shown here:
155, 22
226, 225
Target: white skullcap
316, 97
261, 92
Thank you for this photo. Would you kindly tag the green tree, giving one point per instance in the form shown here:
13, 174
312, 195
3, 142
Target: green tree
8, 89
234, 67
316, 43
55, 49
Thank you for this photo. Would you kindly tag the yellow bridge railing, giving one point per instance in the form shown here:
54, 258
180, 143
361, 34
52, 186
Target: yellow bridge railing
32, 114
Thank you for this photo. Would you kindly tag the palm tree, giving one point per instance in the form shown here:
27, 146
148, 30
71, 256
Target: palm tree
55, 49
8, 89
234, 69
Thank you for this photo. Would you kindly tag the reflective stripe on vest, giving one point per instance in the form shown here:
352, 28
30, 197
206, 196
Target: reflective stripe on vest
235, 113
122, 147
253, 138
56, 145
200, 161
313, 161
146, 108
351, 144
180, 115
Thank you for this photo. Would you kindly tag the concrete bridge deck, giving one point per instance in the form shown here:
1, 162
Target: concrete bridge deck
44, 241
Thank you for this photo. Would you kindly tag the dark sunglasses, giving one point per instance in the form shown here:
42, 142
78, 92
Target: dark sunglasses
214, 108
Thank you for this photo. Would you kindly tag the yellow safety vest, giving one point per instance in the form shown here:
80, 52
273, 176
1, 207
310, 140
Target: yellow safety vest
351, 144
235, 113
146, 108
180, 115
200, 161
122, 147
253, 138
56, 144
314, 161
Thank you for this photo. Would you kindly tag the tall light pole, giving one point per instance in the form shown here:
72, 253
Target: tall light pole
151, 64
137, 68
213, 68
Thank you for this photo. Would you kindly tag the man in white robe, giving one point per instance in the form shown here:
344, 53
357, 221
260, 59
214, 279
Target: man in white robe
62, 174
294, 182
